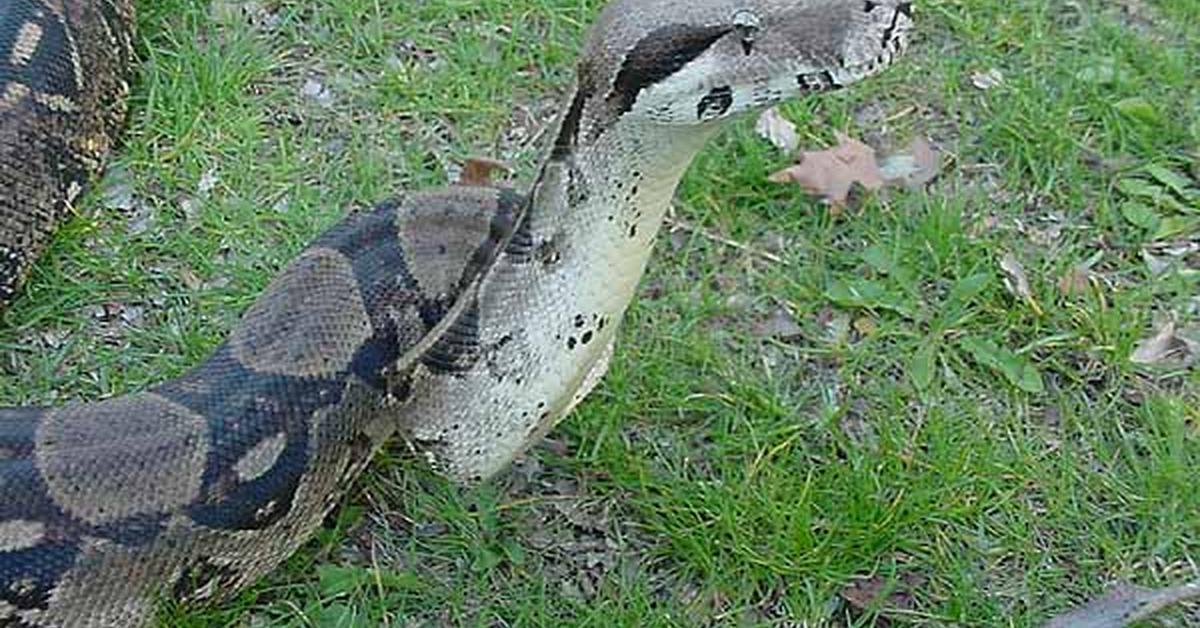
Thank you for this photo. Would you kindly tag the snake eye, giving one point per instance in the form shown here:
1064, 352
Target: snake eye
746, 24
869, 6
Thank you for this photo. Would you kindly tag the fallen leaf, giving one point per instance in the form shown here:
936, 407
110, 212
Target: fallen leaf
477, 171
190, 279
913, 168
117, 188
779, 324
1075, 282
831, 173
864, 593
236, 12
873, 593
1166, 348
317, 91
858, 431
723, 283
190, 207
1158, 266
132, 314
777, 130
1080, 279
1162, 258
141, 219
1017, 282
1125, 604
990, 79
207, 182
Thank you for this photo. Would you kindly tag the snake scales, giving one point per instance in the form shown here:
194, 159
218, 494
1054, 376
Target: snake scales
467, 320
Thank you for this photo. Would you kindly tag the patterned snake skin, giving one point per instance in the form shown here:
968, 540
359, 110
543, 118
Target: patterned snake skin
467, 320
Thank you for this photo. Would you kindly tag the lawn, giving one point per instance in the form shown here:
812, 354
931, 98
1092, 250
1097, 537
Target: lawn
849, 418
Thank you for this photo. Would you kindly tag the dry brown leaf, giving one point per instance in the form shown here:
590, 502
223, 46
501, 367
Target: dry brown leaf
867, 593
777, 130
913, 168
779, 324
1162, 258
1017, 282
1166, 348
477, 171
831, 173
1075, 282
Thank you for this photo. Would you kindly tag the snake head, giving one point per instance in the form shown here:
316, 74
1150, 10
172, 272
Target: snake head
688, 62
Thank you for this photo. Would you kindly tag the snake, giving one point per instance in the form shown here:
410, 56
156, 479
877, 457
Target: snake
466, 321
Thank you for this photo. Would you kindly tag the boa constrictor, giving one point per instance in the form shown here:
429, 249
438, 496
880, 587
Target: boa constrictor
468, 321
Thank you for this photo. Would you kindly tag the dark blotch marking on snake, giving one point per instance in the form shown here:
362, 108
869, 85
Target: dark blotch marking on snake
904, 8
656, 56
459, 348
715, 103
243, 408
203, 579
568, 133
30, 575
578, 188
387, 287
36, 73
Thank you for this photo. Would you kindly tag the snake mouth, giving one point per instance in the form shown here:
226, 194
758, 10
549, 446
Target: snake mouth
839, 76
876, 35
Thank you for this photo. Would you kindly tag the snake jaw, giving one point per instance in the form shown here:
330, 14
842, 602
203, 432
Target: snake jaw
715, 63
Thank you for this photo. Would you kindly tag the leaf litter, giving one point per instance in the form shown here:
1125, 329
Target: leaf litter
1079, 279
987, 79
884, 595
1167, 347
478, 171
833, 172
913, 168
1017, 282
778, 130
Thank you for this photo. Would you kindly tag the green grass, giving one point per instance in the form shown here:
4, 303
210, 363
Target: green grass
716, 477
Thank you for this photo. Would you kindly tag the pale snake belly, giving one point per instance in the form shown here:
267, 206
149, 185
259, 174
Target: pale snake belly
468, 320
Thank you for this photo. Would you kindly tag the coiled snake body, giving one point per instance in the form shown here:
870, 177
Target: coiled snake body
469, 320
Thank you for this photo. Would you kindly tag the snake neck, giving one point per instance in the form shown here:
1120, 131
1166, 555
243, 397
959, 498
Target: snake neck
607, 195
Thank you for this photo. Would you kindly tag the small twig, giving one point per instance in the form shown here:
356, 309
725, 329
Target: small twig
679, 225
537, 499
542, 129
900, 114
